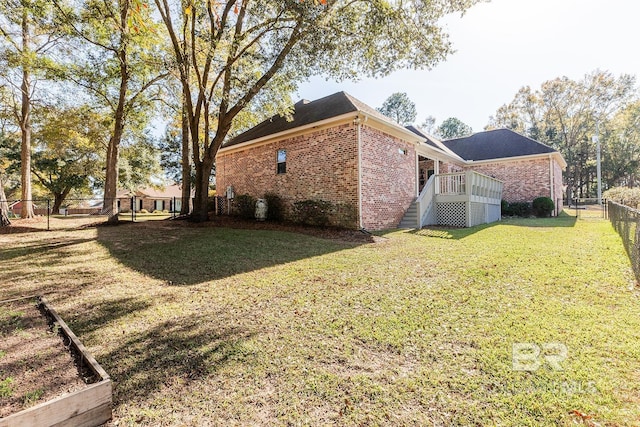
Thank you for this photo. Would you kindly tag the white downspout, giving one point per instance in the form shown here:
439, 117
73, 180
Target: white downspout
358, 124
551, 184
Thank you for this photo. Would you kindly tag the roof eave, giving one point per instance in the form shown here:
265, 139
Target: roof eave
555, 154
285, 133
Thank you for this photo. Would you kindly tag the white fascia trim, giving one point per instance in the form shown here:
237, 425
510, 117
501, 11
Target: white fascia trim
284, 133
435, 154
555, 155
383, 125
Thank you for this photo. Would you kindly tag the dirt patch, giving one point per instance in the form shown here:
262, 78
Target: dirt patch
35, 366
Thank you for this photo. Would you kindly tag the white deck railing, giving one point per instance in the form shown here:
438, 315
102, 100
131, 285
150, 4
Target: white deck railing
425, 200
450, 184
470, 183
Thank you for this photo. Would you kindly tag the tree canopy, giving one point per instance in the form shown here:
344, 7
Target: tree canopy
566, 114
237, 58
453, 128
400, 108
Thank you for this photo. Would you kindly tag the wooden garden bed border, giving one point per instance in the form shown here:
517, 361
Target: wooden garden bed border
88, 407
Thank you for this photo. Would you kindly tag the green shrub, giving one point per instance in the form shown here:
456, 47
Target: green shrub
623, 195
504, 208
543, 206
245, 206
312, 212
345, 215
522, 209
275, 207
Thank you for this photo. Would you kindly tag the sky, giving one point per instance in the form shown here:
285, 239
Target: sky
502, 46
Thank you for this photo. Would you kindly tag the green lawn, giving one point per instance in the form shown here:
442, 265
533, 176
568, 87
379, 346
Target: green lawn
205, 325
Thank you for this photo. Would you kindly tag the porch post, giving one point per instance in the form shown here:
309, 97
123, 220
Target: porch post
417, 174
436, 172
468, 186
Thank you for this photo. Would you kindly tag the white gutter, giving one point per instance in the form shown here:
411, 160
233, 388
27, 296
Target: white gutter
358, 123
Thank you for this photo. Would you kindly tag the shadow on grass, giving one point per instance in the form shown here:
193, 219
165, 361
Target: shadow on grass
443, 232
91, 317
17, 229
173, 352
192, 255
40, 248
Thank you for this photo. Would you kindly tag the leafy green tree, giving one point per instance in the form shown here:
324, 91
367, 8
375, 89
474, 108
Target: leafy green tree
139, 164
29, 31
621, 148
69, 151
453, 128
171, 158
9, 156
429, 125
238, 59
400, 108
119, 60
564, 114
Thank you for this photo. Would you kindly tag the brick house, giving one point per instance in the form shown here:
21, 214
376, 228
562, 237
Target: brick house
168, 198
340, 150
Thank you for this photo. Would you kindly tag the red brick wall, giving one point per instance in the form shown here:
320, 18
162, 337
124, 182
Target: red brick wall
524, 180
320, 165
388, 179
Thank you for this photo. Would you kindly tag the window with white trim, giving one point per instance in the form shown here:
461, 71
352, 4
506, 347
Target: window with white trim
281, 161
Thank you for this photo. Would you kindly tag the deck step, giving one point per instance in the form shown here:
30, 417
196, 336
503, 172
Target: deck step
410, 218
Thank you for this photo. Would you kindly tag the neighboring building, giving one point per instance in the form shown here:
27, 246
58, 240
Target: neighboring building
340, 150
151, 199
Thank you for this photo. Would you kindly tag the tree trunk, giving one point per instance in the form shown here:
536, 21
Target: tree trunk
25, 127
200, 205
4, 206
110, 203
58, 199
186, 164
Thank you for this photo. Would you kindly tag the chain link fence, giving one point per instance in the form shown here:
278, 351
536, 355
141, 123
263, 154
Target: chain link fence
73, 213
625, 221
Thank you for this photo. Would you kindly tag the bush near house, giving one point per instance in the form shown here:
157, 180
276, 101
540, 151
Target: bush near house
346, 215
323, 213
521, 209
542, 207
275, 207
624, 195
312, 212
245, 206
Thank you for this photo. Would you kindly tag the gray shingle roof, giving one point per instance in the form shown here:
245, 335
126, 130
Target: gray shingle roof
427, 138
307, 112
496, 144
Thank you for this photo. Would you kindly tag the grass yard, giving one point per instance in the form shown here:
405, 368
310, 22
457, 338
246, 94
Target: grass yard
217, 326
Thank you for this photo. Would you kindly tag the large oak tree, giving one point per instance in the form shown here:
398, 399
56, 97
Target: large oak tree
238, 57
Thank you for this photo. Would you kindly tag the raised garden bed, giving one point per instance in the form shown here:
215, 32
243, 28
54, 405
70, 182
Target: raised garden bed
47, 377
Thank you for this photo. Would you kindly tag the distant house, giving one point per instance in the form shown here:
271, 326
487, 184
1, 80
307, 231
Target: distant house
340, 150
151, 199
